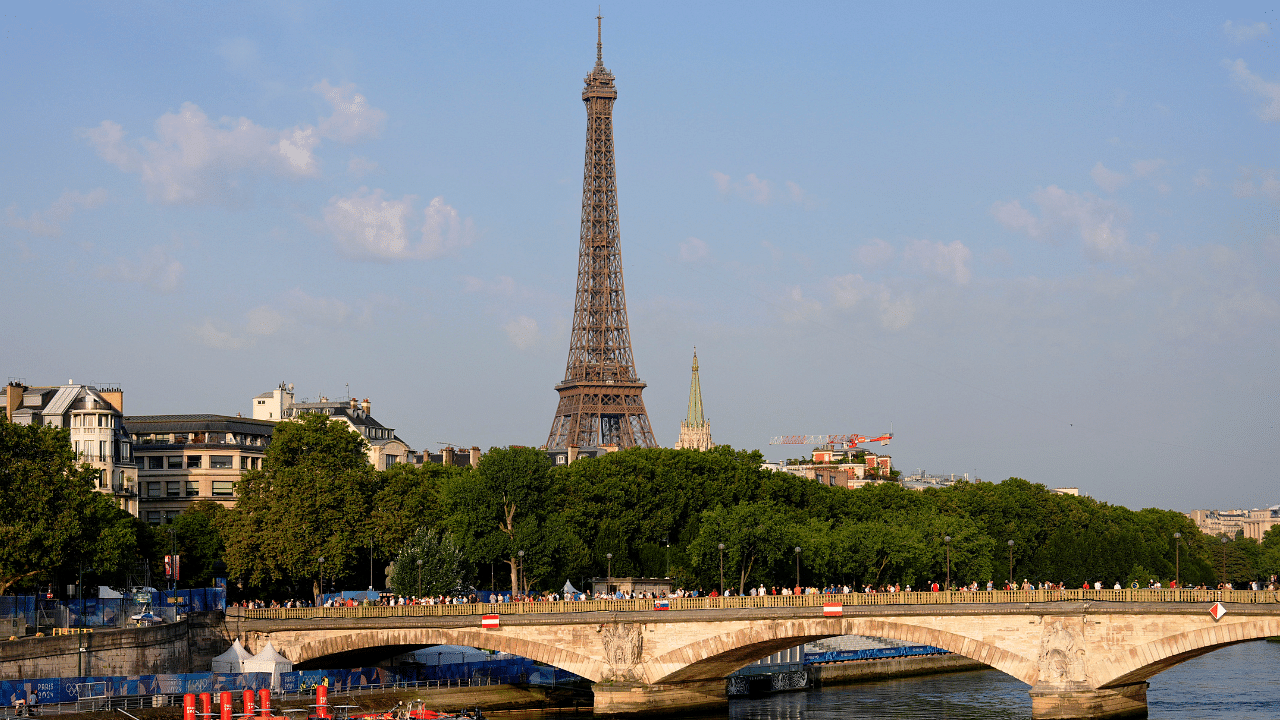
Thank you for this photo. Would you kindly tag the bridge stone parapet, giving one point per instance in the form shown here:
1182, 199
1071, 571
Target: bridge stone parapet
1080, 658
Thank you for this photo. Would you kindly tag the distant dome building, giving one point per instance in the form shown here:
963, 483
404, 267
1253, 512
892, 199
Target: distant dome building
695, 431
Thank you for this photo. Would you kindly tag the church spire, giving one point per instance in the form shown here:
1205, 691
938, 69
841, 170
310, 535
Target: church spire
695, 431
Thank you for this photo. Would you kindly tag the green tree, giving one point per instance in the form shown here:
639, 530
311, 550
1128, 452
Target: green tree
311, 500
50, 514
440, 571
197, 532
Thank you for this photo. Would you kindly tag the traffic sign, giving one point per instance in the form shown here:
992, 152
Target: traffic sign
1217, 610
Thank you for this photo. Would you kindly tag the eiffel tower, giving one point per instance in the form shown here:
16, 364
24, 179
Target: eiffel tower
600, 403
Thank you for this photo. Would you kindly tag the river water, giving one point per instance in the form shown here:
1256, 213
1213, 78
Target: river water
1237, 682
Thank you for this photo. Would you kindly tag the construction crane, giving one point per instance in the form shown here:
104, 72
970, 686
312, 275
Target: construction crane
846, 440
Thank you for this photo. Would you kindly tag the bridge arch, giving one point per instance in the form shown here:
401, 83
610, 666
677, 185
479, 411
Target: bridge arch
717, 656
1142, 662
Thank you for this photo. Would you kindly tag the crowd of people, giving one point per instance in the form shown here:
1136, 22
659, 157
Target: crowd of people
387, 599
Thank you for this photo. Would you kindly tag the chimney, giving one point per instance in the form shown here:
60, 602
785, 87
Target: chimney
13, 398
573, 453
352, 402
365, 406
446, 456
115, 396
475, 456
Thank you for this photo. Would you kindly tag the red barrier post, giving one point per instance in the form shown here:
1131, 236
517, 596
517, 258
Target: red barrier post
225, 705
189, 707
264, 703
248, 703
322, 700
206, 700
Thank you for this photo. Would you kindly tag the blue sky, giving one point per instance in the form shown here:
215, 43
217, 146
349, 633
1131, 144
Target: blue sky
1032, 241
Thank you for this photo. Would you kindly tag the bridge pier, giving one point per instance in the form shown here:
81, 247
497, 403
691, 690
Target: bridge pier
1126, 701
632, 698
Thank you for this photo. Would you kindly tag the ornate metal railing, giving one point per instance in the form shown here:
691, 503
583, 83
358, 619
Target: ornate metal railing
765, 601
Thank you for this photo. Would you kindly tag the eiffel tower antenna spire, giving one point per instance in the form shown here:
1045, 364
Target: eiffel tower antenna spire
600, 403
599, 38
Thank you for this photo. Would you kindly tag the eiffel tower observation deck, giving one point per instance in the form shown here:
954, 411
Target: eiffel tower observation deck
600, 402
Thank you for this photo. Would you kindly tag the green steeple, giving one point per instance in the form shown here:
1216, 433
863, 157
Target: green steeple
695, 418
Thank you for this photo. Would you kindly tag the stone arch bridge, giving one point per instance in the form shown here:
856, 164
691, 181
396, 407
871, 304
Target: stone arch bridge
1083, 653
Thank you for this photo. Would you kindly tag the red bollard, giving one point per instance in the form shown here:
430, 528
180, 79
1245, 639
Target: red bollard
248, 703
205, 701
322, 701
188, 707
225, 705
264, 703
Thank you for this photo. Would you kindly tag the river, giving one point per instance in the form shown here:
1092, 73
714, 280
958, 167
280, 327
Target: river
1234, 683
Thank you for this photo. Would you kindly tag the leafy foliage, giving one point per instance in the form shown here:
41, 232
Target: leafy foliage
440, 570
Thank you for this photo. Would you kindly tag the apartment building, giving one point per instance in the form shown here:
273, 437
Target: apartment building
96, 422
185, 458
385, 449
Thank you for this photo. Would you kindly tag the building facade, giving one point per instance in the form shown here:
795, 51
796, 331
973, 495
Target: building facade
182, 459
95, 420
385, 449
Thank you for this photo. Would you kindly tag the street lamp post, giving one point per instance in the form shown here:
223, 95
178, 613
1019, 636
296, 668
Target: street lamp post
608, 580
797, 567
721, 546
173, 558
947, 541
1010, 563
1177, 559
667, 540
1224, 562
320, 601
419, 564
520, 573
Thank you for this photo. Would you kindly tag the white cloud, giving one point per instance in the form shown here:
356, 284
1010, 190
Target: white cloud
522, 331
155, 268
760, 191
1245, 32
365, 225
264, 320
1203, 178
295, 312
48, 222
215, 337
1108, 180
1099, 223
353, 118
948, 261
875, 253
1255, 182
850, 291
193, 159
693, 249
1144, 168
359, 166
1268, 91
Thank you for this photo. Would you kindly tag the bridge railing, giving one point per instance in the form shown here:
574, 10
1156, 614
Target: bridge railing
1164, 595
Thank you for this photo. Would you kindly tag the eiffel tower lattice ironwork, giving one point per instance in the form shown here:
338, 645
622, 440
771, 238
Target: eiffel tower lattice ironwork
600, 403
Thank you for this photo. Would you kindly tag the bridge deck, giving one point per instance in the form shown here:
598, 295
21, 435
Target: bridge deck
766, 601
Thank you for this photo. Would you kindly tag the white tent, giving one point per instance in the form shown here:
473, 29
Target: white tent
231, 661
569, 588
268, 661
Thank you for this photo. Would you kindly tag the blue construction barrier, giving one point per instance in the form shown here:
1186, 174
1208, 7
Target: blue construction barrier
64, 690
872, 654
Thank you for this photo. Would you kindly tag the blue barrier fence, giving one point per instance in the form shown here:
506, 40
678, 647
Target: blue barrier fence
67, 690
872, 654
109, 612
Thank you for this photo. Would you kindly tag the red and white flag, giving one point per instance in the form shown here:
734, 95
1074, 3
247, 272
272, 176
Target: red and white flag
489, 622
833, 609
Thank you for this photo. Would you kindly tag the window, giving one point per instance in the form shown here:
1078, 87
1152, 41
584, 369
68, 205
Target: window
153, 517
102, 421
102, 450
170, 516
179, 438
193, 461
219, 462
125, 451
224, 488
391, 460
102, 479
258, 464
560, 459
153, 489
175, 462
173, 488
244, 462
193, 488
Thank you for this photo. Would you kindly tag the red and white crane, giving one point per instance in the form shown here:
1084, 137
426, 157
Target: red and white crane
845, 440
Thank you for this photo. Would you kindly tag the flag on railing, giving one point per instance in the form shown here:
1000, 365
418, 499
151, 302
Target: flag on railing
661, 604
489, 622
832, 609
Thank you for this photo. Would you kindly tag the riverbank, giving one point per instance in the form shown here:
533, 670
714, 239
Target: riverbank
859, 671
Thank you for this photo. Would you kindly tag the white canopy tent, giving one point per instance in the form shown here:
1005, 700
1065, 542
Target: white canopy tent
231, 661
569, 588
269, 661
